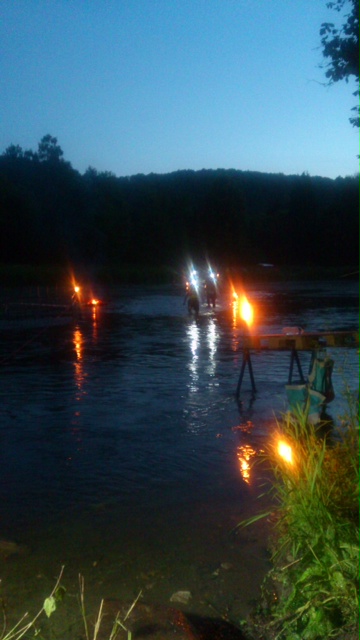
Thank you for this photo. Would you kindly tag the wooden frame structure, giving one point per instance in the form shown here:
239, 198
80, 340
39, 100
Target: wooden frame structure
298, 342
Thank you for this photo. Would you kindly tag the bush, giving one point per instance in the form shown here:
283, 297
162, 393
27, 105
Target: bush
312, 590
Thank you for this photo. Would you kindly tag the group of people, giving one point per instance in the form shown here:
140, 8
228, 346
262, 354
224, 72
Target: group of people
193, 299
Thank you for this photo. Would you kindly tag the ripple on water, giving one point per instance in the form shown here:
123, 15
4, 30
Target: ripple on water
120, 435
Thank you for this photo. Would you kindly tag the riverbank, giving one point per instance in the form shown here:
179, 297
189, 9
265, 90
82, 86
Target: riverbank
221, 571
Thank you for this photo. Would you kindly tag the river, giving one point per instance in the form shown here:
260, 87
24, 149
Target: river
124, 453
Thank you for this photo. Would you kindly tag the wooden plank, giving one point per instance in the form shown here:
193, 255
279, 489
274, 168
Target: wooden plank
301, 342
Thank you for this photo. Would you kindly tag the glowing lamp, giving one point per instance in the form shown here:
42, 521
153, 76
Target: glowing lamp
285, 452
246, 311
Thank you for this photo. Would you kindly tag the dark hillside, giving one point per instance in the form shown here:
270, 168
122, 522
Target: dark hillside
49, 213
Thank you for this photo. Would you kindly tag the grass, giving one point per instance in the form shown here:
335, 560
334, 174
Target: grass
29, 628
24, 626
118, 624
312, 591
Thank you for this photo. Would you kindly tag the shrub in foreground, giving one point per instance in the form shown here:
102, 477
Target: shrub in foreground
312, 591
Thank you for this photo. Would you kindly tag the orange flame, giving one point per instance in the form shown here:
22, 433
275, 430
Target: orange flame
246, 310
285, 451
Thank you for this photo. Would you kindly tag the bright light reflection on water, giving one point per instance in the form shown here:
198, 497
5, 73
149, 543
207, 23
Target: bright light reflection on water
194, 342
213, 337
123, 449
135, 404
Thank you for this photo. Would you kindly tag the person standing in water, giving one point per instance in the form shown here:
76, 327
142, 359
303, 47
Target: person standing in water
210, 289
192, 299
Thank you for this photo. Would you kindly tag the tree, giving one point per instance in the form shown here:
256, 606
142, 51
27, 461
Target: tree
341, 47
13, 151
49, 150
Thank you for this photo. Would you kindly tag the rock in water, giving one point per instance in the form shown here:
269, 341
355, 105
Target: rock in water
182, 597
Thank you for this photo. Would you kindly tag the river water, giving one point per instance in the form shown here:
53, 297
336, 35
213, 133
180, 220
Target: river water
124, 453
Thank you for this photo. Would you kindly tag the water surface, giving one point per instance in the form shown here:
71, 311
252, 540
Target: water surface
122, 443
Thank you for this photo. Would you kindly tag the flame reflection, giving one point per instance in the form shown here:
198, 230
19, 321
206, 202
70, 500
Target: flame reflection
235, 310
79, 378
95, 321
245, 454
78, 342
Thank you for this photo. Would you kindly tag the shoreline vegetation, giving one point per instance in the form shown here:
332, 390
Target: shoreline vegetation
312, 589
14, 275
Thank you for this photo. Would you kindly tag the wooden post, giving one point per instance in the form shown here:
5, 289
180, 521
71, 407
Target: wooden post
246, 361
295, 358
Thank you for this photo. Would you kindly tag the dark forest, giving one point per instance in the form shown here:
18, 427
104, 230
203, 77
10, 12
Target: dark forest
51, 214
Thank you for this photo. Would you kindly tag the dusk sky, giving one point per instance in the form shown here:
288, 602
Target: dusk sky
142, 86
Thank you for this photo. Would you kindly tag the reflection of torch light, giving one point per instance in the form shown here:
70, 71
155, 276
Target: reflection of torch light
235, 307
245, 453
78, 344
79, 373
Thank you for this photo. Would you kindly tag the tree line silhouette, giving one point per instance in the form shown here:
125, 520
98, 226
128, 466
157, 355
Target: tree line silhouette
52, 214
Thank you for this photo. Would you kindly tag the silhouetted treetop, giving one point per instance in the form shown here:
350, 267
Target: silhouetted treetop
341, 46
49, 150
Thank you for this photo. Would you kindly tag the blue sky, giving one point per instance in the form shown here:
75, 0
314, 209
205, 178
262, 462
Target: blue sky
141, 86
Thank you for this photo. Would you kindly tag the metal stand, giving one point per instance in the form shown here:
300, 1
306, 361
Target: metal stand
295, 358
246, 361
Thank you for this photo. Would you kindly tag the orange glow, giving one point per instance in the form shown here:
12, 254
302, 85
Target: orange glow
76, 296
79, 369
78, 343
246, 310
235, 301
94, 302
285, 452
241, 307
235, 308
245, 453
